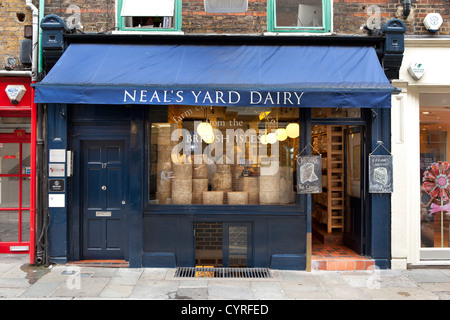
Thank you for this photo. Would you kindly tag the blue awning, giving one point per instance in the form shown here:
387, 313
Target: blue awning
275, 76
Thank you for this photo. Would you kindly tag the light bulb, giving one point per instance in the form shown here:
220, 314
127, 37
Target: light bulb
281, 134
271, 138
293, 130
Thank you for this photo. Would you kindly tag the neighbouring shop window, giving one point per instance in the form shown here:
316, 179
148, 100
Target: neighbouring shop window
144, 15
435, 176
224, 156
299, 15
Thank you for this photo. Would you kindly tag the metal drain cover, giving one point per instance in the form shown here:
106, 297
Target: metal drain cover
201, 272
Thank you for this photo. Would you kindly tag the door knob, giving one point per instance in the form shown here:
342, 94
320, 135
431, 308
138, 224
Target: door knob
103, 188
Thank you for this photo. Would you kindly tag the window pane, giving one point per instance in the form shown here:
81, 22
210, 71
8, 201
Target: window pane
299, 13
9, 124
9, 158
25, 226
26, 192
224, 155
9, 226
435, 187
237, 241
9, 192
148, 14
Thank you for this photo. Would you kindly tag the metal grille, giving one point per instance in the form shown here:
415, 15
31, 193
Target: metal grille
200, 272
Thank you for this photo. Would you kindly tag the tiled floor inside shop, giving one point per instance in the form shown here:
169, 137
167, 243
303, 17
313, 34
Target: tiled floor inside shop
337, 257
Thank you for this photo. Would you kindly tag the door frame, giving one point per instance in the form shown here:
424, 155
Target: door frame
19, 245
92, 133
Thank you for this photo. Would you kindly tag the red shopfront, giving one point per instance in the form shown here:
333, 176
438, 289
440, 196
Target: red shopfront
17, 166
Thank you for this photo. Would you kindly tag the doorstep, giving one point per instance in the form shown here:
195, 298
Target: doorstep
338, 258
101, 263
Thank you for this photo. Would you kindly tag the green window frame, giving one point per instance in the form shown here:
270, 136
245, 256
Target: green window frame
176, 25
272, 25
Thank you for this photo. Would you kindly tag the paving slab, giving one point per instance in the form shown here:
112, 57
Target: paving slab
41, 289
116, 291
267, 290
230, 290
81, 287
154, 289
400, 293
190, 294
422, 276
343, 292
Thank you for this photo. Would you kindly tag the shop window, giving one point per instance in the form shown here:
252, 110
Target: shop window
223, 156
149, 15
434, 173
299, 15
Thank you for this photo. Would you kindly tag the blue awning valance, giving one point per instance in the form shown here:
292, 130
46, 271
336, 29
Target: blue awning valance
269, 76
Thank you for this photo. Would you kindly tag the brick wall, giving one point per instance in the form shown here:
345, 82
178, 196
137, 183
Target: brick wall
208, 243
348, 15
14, 16
196, 20
95, 16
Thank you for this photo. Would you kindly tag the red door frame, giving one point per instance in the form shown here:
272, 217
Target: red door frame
25, 108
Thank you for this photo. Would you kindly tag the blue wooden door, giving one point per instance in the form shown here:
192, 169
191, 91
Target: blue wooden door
104, 204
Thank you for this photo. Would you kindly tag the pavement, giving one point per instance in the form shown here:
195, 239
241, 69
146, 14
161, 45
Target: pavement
21, 281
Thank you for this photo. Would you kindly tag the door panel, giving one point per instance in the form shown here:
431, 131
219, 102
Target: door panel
93, 191
104, 209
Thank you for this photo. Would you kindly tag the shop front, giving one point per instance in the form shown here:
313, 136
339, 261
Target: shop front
199, 154
16, 164
420, 213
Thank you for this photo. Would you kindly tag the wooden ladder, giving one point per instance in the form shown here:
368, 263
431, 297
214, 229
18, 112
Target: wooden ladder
335, 176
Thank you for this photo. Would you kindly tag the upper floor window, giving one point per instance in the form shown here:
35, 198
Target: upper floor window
299, 15
149, 15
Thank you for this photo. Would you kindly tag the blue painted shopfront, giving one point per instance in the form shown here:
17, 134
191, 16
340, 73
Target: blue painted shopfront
93, 119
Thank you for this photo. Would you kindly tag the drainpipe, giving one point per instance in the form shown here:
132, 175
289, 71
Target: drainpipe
35, 39
35, 25
406, 8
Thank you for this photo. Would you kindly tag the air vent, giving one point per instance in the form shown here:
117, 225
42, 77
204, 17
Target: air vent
200, 272
226, 6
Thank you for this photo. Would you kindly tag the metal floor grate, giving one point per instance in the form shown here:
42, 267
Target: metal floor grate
200, 272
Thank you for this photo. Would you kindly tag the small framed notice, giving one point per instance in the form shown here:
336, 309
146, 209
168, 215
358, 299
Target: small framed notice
309, 174
380, 174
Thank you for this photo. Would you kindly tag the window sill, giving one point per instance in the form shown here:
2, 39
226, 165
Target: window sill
134, 32
298, 33
225, 209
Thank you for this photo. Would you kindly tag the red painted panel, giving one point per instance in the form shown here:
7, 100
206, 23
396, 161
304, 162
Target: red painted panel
25, 102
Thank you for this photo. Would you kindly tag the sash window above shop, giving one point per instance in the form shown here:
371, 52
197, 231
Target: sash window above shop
299, 16
149, 15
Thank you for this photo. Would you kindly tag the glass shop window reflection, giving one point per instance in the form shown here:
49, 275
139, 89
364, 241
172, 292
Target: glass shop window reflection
224, 156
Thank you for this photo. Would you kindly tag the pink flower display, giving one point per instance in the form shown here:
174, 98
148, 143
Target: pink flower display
436, 180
